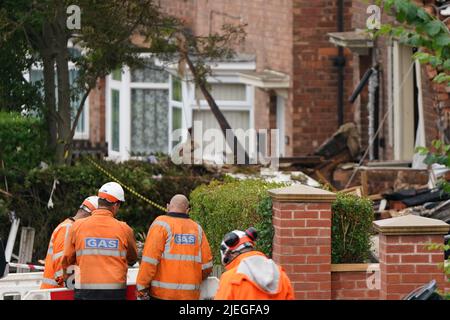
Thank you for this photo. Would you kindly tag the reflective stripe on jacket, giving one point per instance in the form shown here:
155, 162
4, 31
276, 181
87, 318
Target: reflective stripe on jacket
176, 258
55, 251
253, 276
102, 247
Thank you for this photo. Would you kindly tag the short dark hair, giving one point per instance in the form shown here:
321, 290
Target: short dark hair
105, 203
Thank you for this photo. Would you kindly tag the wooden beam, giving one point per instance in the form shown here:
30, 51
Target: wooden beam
5, 192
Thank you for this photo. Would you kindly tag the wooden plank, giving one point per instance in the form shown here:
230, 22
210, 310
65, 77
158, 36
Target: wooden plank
302, 160
357, 191
26, 247
324, 180
354, 267
364, 183
5, 193
374, 197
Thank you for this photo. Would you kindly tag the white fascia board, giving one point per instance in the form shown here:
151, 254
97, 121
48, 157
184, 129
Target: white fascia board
217, 67
264, 84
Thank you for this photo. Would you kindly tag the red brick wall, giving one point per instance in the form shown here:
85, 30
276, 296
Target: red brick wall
406, 264
97, 130
269, 37
302, 245
315, 76
352, 286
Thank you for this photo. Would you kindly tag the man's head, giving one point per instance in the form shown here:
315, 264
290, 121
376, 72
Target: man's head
111, 196
179, 203
237, 242
89, 204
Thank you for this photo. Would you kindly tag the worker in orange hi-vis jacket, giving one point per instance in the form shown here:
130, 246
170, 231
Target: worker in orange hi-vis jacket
53, 270
176, 256
102, 248
250, 274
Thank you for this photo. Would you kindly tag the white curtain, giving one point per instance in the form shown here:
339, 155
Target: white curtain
149, 121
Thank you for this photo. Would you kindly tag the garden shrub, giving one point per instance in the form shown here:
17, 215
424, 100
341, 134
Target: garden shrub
221, 207
22, 141
351, 229
31, 192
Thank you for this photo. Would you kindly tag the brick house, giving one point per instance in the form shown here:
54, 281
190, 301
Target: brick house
288, 74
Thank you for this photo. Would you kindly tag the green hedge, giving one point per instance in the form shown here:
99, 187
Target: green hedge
351, 229
221, 207
31, 192
22, 141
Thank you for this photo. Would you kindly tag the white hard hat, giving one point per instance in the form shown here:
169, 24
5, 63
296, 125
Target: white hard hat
112, 192
90, 204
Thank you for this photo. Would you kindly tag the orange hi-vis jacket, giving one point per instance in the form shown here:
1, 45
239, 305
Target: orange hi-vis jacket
176, 258
102, 248
253, 276
53, 269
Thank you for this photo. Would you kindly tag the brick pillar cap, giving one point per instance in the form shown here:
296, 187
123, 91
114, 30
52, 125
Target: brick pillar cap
301, 193
411, 225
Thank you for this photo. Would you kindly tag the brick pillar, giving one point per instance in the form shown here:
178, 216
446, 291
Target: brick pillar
405, 261
302, 241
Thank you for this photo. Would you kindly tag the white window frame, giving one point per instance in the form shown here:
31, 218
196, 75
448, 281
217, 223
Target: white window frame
79, 135
187, 105
225, 105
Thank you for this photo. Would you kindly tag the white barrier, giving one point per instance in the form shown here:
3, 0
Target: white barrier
16, 285
25, 286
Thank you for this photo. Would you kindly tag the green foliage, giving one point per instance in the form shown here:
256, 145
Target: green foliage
351, 229
22, 141
31, 192
221, 207
439, 153
416, 27
444, 266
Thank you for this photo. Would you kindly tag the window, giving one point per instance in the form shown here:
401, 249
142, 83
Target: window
149, 121
149, 73
176, 89
224, 92
115, 116
81, 131
158, 102
177, 123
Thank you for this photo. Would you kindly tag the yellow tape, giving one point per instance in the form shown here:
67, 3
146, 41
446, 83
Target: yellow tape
140, 196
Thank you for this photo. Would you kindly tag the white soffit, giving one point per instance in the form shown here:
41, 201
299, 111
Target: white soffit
358, 41
266, 79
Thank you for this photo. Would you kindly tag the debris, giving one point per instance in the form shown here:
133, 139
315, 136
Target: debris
5, 193
323, 179
357, 191
50, 201
347, 137
375, 197
413, 197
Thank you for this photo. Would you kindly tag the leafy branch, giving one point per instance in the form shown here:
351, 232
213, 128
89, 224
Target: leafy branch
418, 28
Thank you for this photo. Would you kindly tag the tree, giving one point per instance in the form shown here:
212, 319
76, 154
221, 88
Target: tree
418, 28
106, 36
15, 90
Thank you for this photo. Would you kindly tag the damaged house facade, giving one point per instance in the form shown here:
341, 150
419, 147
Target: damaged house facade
298, 66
